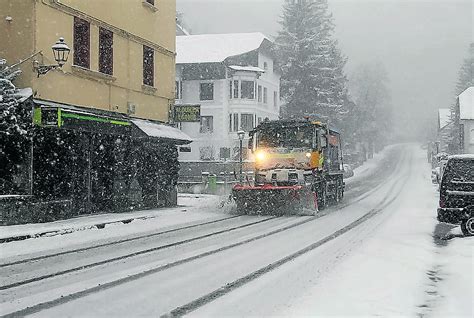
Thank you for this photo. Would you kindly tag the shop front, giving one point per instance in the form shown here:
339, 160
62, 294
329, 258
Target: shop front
86, 161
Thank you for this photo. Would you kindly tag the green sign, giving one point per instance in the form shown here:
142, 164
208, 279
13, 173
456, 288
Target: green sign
56, 117
187, 113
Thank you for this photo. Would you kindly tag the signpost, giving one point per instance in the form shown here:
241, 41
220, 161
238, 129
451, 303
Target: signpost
187, 113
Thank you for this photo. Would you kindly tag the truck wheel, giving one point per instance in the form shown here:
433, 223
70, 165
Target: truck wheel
467, 226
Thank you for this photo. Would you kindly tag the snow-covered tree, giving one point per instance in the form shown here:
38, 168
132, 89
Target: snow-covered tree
368, 86
465, 80
14, 121
9, 122
313, 82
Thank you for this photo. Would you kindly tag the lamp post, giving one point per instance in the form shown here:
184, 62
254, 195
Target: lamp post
61, 54
241, 135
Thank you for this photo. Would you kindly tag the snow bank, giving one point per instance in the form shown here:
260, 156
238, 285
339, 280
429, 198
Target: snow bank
193, 208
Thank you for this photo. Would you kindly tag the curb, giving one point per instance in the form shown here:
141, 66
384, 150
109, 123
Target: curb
68, 230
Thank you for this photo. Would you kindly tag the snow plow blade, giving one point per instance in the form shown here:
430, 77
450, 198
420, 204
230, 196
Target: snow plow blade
275, 200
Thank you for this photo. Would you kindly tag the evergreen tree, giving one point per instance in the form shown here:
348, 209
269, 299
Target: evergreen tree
369, 88
14, 124
465, 80
313, 81
9, 122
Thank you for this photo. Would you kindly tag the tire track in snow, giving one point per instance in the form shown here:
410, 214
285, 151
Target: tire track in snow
27, 260
141, 252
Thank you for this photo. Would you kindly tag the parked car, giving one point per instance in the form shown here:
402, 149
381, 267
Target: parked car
456, 195
436, 175
348, 172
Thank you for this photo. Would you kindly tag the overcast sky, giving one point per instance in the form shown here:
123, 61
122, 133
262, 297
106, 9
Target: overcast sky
421, 42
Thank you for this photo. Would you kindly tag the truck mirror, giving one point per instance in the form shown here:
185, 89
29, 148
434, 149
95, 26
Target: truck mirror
324, 143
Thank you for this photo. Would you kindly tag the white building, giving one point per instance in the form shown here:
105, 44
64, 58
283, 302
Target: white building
466, 119
235, 80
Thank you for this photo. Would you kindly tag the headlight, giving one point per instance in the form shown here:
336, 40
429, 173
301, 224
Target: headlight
260, 155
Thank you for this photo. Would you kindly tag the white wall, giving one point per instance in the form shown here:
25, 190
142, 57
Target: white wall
468, 136
222, 105
216, 108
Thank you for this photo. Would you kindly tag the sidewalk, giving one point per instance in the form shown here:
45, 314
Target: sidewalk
198, 204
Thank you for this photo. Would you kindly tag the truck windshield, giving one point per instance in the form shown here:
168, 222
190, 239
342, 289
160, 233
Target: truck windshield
286, 137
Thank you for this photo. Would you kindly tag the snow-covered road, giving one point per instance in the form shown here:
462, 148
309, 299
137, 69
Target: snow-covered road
372, 255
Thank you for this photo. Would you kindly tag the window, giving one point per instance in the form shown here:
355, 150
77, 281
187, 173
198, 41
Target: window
472, 136
259, 93
247, 122
230, 90
81, 43
259, 120
185, 149
248, 89
206, 153
148, 66
275, 99
265, 95
265, 66
178, 89
106, 51
236, 122
230, 122
206, 91
236, 89
224, 153
206, 124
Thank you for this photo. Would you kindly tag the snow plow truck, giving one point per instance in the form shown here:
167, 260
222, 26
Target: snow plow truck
298, 169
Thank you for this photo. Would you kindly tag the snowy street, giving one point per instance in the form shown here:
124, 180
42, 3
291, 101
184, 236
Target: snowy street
283, 158
379, 252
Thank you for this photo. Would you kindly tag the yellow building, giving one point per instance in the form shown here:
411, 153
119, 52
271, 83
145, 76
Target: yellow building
122, 52
99, 142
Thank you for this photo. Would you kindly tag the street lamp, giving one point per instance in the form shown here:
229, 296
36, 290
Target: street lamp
241, 135
61, 54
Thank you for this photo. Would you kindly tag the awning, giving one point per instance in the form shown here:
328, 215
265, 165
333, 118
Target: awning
162, 131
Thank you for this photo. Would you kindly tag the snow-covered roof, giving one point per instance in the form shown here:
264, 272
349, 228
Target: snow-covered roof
162, 131
215, 48
247, 68
466, 104
462, 157
444, 117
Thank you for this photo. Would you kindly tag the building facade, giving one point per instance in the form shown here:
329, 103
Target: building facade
116, 64
235, 80
99, 140
465, 118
